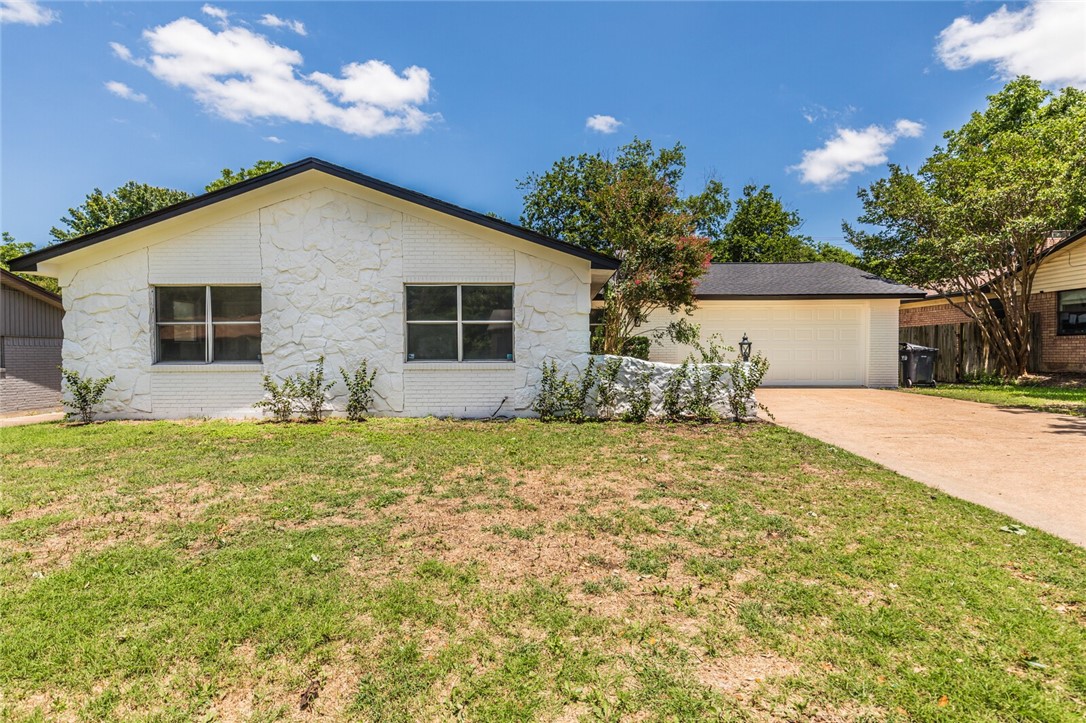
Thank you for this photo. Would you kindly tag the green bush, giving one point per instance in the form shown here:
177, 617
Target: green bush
305, 393
359, 390
640, 400
636, 347
86, 393
606, 396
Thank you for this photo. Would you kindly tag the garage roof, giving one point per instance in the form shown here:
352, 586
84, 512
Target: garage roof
825, 280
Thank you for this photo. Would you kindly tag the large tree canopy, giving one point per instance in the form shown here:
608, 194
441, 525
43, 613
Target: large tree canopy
763, 230
630, 207
229, 177
101, 210
10, 249
982, 208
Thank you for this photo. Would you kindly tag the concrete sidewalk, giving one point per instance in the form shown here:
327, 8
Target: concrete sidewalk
19, 421
1028, 465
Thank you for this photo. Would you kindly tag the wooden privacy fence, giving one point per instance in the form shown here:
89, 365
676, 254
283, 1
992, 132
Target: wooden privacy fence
963, 352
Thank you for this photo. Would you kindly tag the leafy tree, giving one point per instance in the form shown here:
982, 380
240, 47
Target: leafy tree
981, 208
10, 249
102, 210
763, 230
629, 207
229, 177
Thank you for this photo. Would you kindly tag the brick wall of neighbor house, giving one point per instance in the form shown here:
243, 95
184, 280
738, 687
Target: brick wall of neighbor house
30, 379
940, 313
1058, 353
332, 264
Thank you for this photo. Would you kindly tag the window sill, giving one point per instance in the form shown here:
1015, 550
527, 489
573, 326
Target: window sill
201, 368
467, 366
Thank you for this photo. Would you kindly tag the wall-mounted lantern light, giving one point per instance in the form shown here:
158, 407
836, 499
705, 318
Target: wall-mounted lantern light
744, 348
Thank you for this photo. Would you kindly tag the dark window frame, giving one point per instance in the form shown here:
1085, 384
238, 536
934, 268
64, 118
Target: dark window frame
1059, 320
460, 323
209, 323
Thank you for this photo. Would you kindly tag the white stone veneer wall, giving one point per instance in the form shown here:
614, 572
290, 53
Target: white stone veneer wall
332, 268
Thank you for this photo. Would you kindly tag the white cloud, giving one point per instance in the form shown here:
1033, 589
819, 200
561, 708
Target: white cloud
122, 90
274, 21
274, 139
219, 14
26, 12
1042, 40
602, 123
241, 75
122, 52
851, 151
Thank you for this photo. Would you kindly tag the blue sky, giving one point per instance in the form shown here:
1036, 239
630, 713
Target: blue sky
460, 100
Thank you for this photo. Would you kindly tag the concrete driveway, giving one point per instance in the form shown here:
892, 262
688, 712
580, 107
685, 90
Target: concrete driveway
1028, 465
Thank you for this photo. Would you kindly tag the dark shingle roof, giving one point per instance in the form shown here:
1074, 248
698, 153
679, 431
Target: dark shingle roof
817, 280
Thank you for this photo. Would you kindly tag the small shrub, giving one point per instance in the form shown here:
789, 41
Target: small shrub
359, 390
745, 377
312, 392
560, 397
640, 400
637, 347
86, 393
606, 395
280, 400
673, 392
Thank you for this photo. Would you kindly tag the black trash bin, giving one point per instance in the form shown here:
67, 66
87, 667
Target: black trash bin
917, 364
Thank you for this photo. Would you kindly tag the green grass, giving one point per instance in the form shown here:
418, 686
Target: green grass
1060, 400
400, 570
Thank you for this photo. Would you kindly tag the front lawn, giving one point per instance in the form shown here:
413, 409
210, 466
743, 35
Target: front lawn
1060, 400
422, 569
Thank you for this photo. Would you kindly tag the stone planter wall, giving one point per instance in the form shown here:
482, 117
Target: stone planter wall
633, 370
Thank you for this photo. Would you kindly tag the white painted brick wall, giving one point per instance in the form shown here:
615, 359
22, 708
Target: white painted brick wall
468, 392
205, 391
224, 253
433, 253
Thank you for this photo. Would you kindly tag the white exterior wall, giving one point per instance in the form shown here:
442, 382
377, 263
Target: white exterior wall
808, 342
332, 265
882, 357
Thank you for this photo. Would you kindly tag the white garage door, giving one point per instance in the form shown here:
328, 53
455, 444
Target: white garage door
811, 343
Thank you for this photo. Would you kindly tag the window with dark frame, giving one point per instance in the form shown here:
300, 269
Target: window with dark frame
459, 322
1071, 313
207, 324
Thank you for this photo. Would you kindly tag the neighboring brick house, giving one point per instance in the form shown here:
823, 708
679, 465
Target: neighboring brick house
30, 345
1058, 302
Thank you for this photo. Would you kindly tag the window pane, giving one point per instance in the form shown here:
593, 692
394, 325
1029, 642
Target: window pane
235, 303
487, 303
237, 342
180, 303
182, 342
431, 303
431, 341
1072, 312
488, 342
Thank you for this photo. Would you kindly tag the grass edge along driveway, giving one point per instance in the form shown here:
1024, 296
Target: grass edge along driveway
423, 569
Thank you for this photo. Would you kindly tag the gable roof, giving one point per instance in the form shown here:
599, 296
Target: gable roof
11, 281
30, 261
811, 280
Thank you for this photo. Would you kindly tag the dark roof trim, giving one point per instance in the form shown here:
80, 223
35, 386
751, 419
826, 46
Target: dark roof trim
30, 261
792, 297
30, 288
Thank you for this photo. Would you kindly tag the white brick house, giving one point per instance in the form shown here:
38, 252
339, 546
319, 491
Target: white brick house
190, 306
